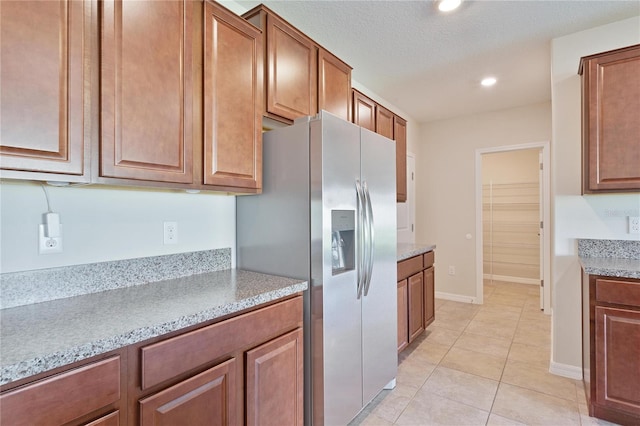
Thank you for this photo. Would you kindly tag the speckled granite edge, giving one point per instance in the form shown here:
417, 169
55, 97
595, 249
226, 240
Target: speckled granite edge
30, 367
23, 288
620, 249
610, 267
406, 250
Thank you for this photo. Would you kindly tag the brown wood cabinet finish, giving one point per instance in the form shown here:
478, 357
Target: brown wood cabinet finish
112, 419
403, 315
617, 358
384, 122
275, 378
146, 90
400, 135
43, 79
416, 305
233, 99
334, 85
364, 111
166, 359
291, 68
429, 296
611, 348
416, 297
610, 124
64, 397
205, 399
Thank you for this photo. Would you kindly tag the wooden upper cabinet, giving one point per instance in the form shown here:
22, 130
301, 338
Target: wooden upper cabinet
146, 90
291, 69
233, 96
42, 75
384, 122
400, 134
334, 85
364, 111
610, 120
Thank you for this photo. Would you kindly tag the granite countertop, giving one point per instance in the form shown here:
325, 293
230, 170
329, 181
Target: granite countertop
611, 267
610, 258
41, 336
407, 250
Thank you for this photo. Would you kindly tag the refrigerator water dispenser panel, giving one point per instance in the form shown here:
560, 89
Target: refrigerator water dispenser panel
343, 251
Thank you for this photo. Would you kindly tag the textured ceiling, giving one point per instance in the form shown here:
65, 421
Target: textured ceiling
429, 64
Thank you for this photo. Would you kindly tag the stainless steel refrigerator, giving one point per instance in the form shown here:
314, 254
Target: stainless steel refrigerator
327, 214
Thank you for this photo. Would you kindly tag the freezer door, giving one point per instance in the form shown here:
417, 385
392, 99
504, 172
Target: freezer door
379, 306
335, 167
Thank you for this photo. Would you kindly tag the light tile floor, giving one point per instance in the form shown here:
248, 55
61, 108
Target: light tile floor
482, 365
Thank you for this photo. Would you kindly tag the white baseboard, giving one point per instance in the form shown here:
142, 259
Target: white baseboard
519, 280
565, 370
455, 297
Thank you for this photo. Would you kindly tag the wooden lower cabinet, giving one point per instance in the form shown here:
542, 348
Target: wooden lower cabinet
611, 348
415, 297
112, 419
208, 398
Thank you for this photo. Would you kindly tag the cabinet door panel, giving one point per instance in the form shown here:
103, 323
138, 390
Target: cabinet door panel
334, 85
416, 306
112, 419
275, 381
364, 111
400, 135
429, 298
611, 103
233, 94
384, 122
292, 71
146, 104
205, 399
617, 355
42, 78
403, 315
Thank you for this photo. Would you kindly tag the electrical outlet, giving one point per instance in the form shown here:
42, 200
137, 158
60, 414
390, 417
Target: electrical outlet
452, 270
47, 245
634, 224
171, 232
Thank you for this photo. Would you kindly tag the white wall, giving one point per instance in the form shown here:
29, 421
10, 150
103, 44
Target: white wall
106, 223
445, 185
576, 216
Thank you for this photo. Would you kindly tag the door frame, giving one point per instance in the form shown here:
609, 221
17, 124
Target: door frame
545, 146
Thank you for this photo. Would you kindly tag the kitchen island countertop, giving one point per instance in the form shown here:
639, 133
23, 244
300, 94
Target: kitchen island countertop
42, 336
407, 250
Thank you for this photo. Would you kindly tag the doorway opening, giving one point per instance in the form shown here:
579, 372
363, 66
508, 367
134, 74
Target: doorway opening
512, 208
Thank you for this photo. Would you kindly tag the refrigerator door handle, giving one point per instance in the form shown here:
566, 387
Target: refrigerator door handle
370, 237
360, 248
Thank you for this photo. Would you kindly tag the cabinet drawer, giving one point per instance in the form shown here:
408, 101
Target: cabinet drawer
429, 259
409, 267
618, 291
63, 397
163, 360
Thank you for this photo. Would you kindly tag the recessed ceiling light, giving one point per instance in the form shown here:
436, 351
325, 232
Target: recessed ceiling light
448, 5
488, 81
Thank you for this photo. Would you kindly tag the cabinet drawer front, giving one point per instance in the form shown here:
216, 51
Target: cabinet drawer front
429, 259
618, 291
63, 397
409, 267
169, 358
